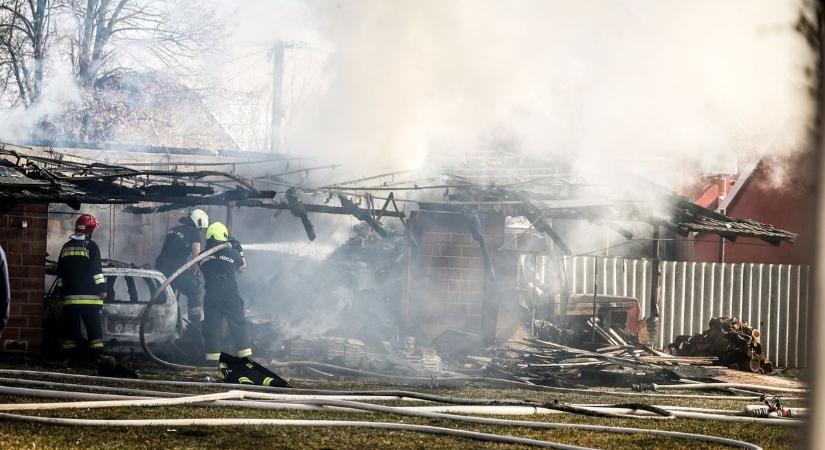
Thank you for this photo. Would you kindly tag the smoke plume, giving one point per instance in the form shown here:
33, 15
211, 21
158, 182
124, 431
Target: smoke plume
703, 84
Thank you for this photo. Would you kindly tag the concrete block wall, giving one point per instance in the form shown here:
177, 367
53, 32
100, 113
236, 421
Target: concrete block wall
23, 231
446, 277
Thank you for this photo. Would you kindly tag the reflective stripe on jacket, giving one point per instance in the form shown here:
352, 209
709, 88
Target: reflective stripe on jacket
81, 300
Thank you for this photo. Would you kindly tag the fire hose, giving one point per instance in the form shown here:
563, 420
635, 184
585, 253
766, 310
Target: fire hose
458, 405
154, 298
295, 394
487, 437
194, 400
612, 411
695, 386
402, 393
596, 411
304, 393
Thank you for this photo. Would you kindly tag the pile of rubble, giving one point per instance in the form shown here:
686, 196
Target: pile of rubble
593, 353
550, 356
546, 363
349, 353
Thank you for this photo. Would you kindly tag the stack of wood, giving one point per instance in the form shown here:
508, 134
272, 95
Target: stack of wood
735, 343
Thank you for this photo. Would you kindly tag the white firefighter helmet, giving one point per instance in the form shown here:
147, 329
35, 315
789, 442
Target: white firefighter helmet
199, 218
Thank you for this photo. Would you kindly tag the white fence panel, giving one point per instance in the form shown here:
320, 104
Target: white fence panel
772, 297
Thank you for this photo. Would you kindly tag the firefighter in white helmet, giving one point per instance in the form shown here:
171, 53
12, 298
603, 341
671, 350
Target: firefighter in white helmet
183, 242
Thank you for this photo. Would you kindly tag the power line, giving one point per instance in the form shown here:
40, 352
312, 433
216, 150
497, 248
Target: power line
244, 56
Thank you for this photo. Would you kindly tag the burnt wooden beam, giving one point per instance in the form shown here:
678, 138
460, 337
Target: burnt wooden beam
475, 231
362, 214
298, 210
188, 203
535, 216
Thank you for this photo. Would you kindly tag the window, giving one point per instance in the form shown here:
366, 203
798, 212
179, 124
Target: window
128, 289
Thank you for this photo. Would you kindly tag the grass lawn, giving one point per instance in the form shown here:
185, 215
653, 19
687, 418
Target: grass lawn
15, 435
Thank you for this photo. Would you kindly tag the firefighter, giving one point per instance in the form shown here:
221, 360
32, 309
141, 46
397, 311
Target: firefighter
182, 243
82, 288
222, 301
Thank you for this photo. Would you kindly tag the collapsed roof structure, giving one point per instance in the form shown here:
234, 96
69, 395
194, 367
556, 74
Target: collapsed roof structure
29, 178
539, 195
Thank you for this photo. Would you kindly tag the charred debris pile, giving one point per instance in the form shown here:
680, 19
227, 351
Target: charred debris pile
593, 342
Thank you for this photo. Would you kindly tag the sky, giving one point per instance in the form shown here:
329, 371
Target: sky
382, 84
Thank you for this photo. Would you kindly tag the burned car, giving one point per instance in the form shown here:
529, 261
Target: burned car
129, 289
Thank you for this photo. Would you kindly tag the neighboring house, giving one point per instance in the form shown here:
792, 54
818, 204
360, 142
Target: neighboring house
780, 192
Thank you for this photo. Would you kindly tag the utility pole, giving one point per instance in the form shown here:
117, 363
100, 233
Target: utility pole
277, 95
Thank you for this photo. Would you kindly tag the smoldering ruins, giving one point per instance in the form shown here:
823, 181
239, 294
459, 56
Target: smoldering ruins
448, 277
419, 204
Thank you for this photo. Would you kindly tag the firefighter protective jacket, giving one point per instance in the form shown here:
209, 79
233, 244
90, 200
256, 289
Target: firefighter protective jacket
177, 247
219, 271
80, 276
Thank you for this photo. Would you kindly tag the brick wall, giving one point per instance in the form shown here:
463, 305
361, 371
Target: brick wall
446, 276
25, 248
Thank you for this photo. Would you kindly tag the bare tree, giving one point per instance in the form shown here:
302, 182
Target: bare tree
108, 35
159, 33
103, 41
24, 38
117, 36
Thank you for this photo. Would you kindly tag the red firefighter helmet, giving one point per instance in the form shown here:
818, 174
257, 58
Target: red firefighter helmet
85, 224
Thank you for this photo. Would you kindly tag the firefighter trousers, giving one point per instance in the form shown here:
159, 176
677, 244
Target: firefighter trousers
218, 308
76, 317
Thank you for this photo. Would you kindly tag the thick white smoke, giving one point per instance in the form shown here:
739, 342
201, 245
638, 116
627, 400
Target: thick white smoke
699, 82
18, 122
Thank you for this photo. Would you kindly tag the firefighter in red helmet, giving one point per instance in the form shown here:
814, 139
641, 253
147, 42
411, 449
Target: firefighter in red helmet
82, 288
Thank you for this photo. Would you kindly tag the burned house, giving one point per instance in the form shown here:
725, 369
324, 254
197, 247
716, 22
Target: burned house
535, 266
490, 259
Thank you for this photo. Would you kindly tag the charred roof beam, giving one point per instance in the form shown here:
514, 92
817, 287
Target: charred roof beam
184, 203
362, 214
296, 207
